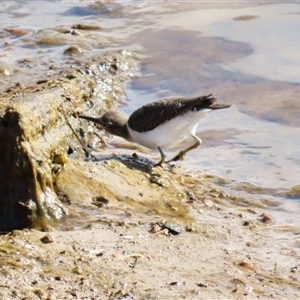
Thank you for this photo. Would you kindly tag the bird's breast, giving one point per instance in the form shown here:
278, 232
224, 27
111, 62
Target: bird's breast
170, 133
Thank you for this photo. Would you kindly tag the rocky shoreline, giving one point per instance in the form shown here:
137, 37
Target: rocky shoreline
121, 228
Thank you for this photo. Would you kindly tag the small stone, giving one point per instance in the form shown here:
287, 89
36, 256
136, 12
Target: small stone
155, 228
81, 26
157, 180
16, 31
208, 202
265, 218
251, 266
173, 228
191, 196
60, 159
40, 81
200, 284
47, 239
252, 211
295, 269
73, 50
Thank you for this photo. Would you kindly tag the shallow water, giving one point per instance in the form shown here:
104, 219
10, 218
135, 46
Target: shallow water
211, 51
248, 57
244, 53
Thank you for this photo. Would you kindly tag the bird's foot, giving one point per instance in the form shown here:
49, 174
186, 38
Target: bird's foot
88, 154
160, 163
179, 156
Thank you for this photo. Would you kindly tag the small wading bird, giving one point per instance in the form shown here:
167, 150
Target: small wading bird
161, 124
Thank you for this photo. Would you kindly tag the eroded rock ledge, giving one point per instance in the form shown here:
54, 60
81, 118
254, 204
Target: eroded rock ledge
36, 139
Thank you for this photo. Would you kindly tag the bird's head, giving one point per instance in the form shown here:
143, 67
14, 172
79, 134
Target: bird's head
113, 122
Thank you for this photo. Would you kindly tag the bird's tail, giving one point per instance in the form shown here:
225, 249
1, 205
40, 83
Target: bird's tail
219, 106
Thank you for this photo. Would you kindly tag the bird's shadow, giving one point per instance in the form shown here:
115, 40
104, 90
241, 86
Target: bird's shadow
133, 162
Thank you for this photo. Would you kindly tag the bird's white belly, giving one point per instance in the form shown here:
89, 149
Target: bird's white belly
171, 133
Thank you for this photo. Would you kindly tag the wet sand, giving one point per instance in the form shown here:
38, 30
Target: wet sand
217, 245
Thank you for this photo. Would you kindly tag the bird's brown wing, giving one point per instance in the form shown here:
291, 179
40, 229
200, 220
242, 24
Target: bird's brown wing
155, 113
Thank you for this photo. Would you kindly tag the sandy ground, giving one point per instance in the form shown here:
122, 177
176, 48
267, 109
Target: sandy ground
216, 244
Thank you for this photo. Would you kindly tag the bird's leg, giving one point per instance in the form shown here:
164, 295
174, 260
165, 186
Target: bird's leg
163, 158
182, 153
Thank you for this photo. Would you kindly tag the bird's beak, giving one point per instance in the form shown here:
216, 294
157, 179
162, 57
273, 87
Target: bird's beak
95, 120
